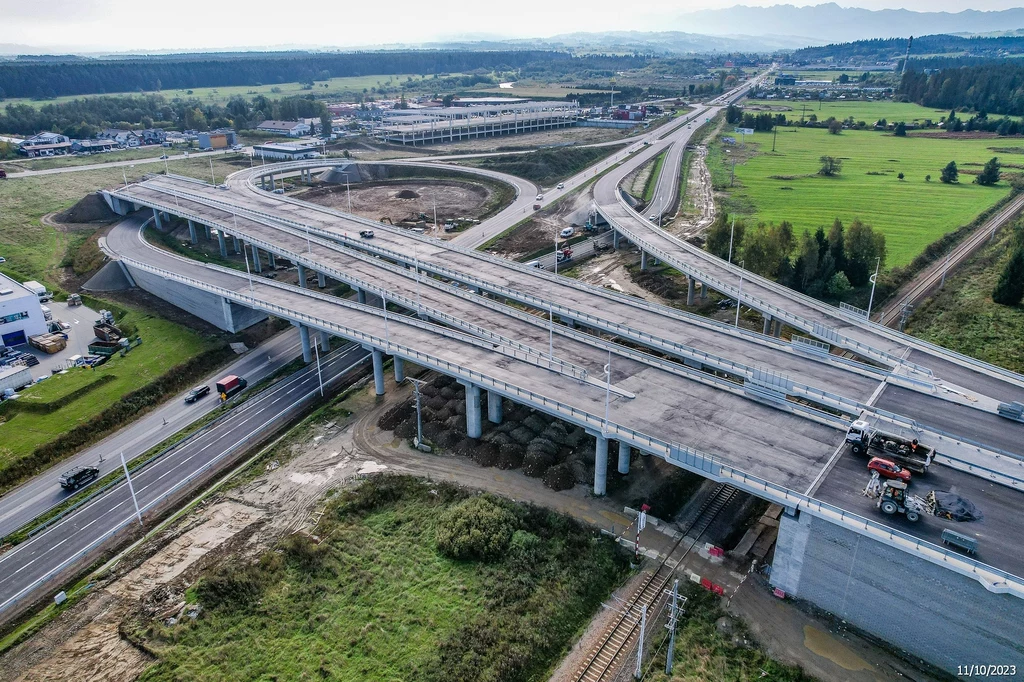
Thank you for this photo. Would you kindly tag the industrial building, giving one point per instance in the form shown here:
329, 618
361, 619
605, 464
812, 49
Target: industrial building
451, 124
289, 128
284, 152
218, 139
21, 313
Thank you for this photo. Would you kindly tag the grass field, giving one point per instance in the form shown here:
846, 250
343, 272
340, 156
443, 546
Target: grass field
784, 185
963, 317
533, 89
869, 112
150, 152
165, 344
221, 95
378, 600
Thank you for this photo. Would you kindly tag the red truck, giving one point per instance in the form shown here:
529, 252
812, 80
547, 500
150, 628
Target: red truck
230, 385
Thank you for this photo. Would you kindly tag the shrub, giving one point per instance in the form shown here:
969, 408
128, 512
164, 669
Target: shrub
475, 529
231, 587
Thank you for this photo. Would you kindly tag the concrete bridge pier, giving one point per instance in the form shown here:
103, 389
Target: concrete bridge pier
601, 465
399, 368
361, 296
378, 370
495, 409
769, 323
273, 186
643, 259
257, 266
778, 329
302, 275
223, 244
325, 342
272, 259
192, 232
691, 286
474, 425
208, 234
703, 291
263, 182
615, 239
238, 245
624, 452
321, 280
307, 349
156, 220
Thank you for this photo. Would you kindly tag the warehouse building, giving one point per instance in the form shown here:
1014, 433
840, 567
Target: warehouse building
451, 124
284, 152
21, 313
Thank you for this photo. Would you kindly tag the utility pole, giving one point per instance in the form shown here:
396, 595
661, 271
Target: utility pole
131, 489
732, 233
945, 267
673, 618
640, 649
319, 376
416, 384
739, 298
212, 176
775, 135
874, 280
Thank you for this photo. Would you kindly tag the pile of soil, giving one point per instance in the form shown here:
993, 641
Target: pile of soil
90, 209
660, 284
407, 194
542, 446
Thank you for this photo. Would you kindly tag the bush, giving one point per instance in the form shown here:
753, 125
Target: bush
1010, 288
231, 587
475, 529
302, 552
559, 477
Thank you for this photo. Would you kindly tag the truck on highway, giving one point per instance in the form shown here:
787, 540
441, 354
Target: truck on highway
910, 454
230, 385
74, 479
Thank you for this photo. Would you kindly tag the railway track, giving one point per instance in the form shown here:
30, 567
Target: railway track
621, 637
925, 282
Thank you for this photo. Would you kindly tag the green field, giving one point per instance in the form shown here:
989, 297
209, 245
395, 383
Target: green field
378, 599
869, 112
221, 95
912, 213
962, 317
150, 152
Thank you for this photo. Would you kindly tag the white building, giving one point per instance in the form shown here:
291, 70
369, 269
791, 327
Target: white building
21, 314
286, 152
289, 128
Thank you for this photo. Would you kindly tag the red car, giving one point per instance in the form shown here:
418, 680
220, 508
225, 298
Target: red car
887, 469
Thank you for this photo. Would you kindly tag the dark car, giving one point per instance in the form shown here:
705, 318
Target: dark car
197, 393
888, 469
366, 234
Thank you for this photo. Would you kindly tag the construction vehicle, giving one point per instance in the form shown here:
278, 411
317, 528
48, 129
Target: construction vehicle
893, 498
908, 453
383, 218
74, 300
73, 479
564, 255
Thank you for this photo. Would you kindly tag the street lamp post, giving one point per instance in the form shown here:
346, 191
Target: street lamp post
319, 376
874, 280
416, 383
732, 233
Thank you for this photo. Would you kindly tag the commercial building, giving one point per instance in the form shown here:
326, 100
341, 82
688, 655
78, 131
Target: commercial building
92, 146
21, 314
218, 139
45, 144
284, 152
289, 128
447, 124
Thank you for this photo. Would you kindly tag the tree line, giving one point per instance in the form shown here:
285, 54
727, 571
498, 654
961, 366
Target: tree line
81, 77
887, 49
1009, 290
992, 88
823, 264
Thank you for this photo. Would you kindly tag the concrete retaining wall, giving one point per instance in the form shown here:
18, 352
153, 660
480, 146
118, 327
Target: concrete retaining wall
937, 615
230, 317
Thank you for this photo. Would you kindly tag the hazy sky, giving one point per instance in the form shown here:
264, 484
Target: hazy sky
115, 25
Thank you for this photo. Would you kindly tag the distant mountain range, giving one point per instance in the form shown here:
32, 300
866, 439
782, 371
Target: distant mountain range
830, 23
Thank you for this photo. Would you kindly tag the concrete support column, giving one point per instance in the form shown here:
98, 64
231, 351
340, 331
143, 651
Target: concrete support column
601, 466
399, 369
378, 371
325, 342
361, 296
643, 260
624, 452
256, 264
321, 280
691, 286
302, 275
223, 244
238, 245
272, 259
495, 410
192, 232
474, 427
778, 328
766, 329
156, 220
703, 291
207, 228
263, 182
615, 239
273, 185
307, 350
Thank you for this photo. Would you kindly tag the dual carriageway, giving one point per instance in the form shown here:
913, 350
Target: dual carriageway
752, 410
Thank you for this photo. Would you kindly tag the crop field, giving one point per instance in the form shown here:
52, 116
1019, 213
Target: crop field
869, 112
221, 95
912, 213
379, 596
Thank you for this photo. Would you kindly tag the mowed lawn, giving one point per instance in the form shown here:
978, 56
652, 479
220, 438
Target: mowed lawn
869, 112
912, 213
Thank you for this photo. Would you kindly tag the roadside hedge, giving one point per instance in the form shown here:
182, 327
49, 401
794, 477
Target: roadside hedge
117, 415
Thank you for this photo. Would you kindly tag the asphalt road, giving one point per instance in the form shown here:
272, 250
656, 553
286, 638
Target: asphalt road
31, 561
24, 503
998, 533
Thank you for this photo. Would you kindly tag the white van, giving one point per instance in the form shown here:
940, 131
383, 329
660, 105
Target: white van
533, 264
567, 232
47, 313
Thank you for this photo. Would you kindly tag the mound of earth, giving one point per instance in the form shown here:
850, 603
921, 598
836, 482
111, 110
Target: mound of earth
90, 209
407, 194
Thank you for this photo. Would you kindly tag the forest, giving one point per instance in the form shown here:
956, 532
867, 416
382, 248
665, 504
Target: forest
891, 49
76, 76
991, 88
